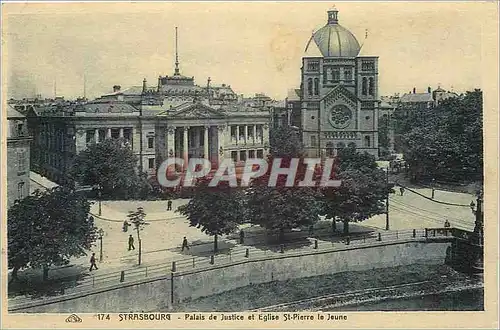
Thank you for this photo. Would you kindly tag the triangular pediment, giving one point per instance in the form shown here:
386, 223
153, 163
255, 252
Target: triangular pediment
342, 94
195, 110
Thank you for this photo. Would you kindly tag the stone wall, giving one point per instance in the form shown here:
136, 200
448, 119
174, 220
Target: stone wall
151, 295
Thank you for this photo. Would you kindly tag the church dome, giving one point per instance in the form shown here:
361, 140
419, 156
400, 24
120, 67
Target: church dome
333, 40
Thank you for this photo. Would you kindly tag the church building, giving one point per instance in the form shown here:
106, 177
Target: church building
338, 96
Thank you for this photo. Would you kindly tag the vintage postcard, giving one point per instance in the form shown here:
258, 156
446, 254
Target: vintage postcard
250, 164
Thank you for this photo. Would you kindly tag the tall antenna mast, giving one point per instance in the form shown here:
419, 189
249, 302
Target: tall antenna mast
84, 86
176, 54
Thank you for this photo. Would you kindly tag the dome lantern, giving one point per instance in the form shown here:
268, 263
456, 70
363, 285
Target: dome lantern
333, 16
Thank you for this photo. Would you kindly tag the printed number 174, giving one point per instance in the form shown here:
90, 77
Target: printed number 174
102, 317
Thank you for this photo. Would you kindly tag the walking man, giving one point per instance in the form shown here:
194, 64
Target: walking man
92, 263
242, 236
402, 190
131, 243
169, 205
185, 244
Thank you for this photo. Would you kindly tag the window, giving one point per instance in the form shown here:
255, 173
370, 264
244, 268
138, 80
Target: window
20, 190
313, 141
127, 134
310, 86
234, 156
364, 87
20, 129
243, 155
151, 163
151, 141
90, 136
336, 75
251, 153
371, 86
367, 142
102, 135
21, 160
115, 133
367, 66
312, 66
347, 74
260, 153
316, 86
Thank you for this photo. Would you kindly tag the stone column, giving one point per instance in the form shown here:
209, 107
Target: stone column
171, 141
237, 134
108, 133
254, 133
245, 132
220, 142
205, 143
185, 148
121, 133
96, 136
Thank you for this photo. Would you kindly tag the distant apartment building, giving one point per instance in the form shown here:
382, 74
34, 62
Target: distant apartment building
18, 156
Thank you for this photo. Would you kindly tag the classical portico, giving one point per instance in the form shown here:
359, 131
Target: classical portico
196, 130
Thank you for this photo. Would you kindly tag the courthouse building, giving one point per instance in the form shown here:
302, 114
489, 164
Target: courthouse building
175, 117
338, 95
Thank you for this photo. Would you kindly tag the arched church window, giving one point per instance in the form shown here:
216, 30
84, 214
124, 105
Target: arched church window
309, 86
330, 152
336, 75
316, 86
367, 142
364, 87
371, 87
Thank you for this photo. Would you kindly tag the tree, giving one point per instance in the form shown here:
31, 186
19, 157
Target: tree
137, 220
383, 136
280, 207
284, 141
111, 165
446, 142
362, 191
48, 228
216, 210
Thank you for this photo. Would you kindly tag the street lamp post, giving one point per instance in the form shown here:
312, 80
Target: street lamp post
387, 200
101, 235
477, 210
99, 194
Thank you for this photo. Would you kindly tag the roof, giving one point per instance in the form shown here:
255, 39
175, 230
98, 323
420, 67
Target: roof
333, 40
111, 107
293, 95
13, 113
416, 98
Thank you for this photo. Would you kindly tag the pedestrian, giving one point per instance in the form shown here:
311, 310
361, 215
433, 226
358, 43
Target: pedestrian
432, 193
131, 243
402, 190
242, 236
169, 205
185, 244
447, 224
92, 263
125, 226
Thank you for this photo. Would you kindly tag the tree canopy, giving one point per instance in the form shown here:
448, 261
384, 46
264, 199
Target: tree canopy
284, 141
48, 228
445, 143
362, 191
113, 166
216, 210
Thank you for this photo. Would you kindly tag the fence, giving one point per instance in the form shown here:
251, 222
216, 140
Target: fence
242, 254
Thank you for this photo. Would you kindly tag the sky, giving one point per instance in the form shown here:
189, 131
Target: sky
254, 47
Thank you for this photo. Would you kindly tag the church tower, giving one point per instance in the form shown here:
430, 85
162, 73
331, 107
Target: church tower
339, 93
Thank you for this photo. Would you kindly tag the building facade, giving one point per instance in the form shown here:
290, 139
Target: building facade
18, 155
178, 119
338, 95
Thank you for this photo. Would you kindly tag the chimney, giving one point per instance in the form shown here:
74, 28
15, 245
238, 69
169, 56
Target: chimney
414, 90
144, 86
429, 90
116, 88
